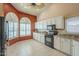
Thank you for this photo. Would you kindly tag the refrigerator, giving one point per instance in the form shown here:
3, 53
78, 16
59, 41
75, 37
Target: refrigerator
2, 38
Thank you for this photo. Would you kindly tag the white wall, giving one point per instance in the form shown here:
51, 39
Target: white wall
60, 10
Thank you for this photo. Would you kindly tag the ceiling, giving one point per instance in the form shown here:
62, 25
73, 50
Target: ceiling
31, 8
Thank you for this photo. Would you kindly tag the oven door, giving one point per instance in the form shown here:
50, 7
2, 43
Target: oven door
49, 41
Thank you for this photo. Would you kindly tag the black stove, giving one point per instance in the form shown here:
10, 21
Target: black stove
49, 38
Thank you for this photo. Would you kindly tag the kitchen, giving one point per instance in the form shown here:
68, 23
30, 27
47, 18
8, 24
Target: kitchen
66, 40
50, 29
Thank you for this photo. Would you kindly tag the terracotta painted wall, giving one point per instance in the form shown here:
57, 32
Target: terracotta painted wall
1, 10
9, 8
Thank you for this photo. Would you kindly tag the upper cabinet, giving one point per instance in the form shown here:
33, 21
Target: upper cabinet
56, 20
53, 21
59, 21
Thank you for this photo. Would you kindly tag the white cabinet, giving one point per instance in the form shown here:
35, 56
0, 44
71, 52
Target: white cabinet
36, 25
39, 37
39, 25
53, 21
34, 36
48, 21
66, 45
62, 44
57, 42
44, 25
42, 38
59, 21
75, 48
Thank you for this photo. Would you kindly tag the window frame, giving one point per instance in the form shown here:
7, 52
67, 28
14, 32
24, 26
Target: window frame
8, 30
26, 33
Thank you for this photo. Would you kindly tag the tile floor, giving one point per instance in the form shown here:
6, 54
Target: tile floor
31, 48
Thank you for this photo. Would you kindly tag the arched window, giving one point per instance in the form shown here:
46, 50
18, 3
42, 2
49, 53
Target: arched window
11, 25
25, 26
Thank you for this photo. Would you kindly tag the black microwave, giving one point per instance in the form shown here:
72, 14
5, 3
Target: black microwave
51, 27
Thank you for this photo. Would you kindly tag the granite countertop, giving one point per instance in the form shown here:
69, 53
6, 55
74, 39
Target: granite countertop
66, 33
70, 36
41, 32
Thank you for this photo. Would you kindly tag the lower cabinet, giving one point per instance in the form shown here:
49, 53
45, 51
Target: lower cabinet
62, 44
66, 45
34, 36
57, 42
42, 38
39, 37
75, 48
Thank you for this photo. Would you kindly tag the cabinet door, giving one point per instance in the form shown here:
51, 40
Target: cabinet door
37, 25
38, 36
53, 21
57, 42
66, 45
75, 48
44, 25
48, 22
33, 35
42, 38
40, 25
59, 20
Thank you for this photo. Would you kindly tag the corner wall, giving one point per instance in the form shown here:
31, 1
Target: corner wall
9, 8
